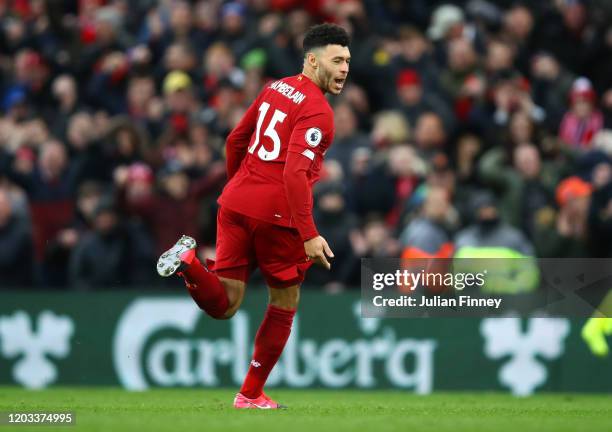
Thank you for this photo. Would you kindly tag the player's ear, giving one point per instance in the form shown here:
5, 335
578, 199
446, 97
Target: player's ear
312, 60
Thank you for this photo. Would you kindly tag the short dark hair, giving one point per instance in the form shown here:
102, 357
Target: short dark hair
325, 34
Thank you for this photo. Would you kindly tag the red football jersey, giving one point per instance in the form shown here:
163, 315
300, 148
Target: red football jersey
275, 153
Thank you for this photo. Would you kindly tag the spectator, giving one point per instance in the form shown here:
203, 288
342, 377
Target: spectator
488, 237
413, 101
415, 54
358, 100
430, 135
65, 92
50, 185
500, 57
140, 96
462, 66
467, 152
448, 25
347, 137
386, 184
600, 211
86, 150
373, 240
447, 22
428, 235
489, 231
389, 128
32, 77
517, 27
583, 120
113, 254
233, 29
179, 56
567, 236
551, 83
125, 144
526, 187
15, 246
511, 95
165, 27
59, 248
279, 45
336, 224
563, 30
173, 212
219, 66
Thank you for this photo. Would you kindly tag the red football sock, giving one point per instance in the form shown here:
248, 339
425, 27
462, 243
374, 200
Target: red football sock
205, 288
269, 343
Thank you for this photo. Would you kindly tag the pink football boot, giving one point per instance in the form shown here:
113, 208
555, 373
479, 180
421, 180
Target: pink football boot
262, 402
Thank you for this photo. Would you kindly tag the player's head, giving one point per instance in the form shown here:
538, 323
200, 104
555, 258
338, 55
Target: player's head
327, 57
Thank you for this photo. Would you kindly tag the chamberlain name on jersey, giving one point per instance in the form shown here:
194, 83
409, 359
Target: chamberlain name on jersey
288, 91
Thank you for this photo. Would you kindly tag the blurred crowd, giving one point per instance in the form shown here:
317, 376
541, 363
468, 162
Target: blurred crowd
467, 128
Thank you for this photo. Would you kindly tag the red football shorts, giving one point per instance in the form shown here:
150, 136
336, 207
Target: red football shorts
244, 243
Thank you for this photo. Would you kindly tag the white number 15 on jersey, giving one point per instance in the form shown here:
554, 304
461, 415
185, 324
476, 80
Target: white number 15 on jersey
270, 132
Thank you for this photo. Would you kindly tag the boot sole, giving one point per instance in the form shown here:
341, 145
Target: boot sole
169, 262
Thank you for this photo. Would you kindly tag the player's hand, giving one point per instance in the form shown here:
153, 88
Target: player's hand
318, 251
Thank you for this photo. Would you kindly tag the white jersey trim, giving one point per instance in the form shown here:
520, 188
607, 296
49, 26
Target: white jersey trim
309, 154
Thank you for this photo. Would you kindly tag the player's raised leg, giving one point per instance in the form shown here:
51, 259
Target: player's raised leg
219, 297
269, 344
219, 288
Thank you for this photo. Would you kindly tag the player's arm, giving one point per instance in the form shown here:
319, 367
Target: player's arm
238, 140
300, 158
299, 196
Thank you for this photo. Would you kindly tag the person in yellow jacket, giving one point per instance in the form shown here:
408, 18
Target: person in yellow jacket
597, 327
594, 334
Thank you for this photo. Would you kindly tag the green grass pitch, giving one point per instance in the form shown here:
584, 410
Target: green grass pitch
176, 410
